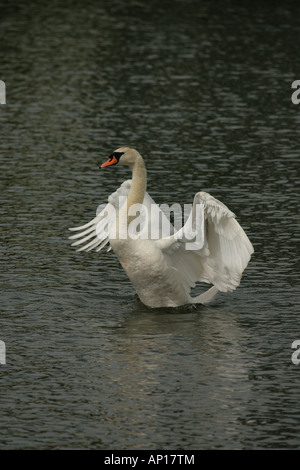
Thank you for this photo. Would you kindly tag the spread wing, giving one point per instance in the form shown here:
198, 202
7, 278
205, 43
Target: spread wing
221, 250
95, 234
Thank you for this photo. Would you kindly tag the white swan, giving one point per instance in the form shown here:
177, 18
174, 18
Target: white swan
162, 270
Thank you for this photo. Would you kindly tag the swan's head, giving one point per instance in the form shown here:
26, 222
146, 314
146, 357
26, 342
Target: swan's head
122, 156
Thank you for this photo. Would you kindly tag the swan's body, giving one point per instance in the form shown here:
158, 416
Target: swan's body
163, 270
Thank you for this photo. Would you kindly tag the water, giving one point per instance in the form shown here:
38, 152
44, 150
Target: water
204, 93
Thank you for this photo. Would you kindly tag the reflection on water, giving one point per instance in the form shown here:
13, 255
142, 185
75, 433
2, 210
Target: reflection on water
205, 95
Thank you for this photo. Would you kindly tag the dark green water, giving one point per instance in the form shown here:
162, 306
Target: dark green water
203, 91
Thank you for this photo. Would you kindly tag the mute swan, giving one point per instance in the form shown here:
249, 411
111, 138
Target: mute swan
162, 270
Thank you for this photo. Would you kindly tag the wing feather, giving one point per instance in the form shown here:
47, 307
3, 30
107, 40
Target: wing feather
225, 253
95, 232
97, 229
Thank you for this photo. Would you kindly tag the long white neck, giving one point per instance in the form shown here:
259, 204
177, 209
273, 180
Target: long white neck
139, 182
137, 191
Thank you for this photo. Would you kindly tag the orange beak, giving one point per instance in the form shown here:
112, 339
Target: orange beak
110, 161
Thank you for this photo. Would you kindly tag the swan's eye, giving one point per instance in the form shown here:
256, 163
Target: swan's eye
113, 159
118, 155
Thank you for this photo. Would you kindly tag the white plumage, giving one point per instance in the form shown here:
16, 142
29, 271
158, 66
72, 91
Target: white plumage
162, 270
